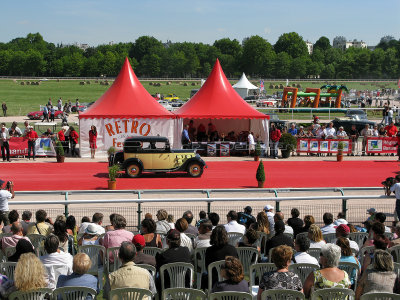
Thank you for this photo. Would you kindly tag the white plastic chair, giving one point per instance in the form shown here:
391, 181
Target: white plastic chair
248, 256
177, 274
234, 238
74, 292
282, 295
183, 294
303, 270
38, 294
333, 294
230, 296
380, 296
256, 273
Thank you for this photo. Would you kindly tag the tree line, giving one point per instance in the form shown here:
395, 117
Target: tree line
288, 58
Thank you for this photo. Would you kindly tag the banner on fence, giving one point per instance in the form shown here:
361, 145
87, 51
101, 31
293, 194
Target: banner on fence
381, 145
322, 146
19, 147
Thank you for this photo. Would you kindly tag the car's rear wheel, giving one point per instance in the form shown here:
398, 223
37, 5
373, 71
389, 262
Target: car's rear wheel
133, 170
195, 169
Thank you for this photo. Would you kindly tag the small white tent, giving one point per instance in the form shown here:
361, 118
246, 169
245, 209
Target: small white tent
243, 86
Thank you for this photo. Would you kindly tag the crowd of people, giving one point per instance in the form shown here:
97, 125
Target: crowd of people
284, 242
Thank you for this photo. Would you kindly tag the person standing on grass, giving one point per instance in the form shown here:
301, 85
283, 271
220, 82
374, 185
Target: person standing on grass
52, 113
32, 137
92, 140
4, 107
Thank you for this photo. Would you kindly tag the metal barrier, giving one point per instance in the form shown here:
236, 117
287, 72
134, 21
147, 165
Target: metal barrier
325, 203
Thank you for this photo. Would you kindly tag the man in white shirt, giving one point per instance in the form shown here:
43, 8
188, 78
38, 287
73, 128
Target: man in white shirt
395, 188
365, 133
55, 261
97, 220
330, 131
233, 225
329, 226
252, 143
6, 194
279, 216
301, 246
269, 211
343, 231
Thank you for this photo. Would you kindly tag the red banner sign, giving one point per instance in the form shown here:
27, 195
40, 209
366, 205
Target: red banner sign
18, 146
381, 145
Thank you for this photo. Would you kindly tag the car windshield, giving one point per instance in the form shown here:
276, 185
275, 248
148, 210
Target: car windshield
273, 117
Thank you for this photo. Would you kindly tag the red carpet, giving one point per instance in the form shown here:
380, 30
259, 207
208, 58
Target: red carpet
279, 174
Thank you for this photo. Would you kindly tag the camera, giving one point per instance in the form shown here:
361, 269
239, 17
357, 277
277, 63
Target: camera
387, 184
9, 184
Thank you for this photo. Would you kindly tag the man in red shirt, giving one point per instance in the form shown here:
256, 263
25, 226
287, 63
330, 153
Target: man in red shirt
391, 130
275, 136
32, 136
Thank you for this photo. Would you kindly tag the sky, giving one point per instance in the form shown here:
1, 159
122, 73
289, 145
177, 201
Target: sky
96, 22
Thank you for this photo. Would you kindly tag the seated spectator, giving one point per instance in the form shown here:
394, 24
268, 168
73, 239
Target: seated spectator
53, 257
396, 241
232, 272
188, 216
347, 256
381, 278
181, 225
162, 226
376, 229
371, 212
25, 281
97, 221
246, 218
344, 231
81, 264
279, 238
40, 227
72, 228
115, 237
26, 221
91, 236
329, 226
214, 218
171, 222
13, 216
279, 216
341, 134
270, 214
108, 227
148, 231
203, 238
148, 216
282, 278
262, 223
23, 246
330, 276
295, 222
249, 239
202, 218
17, 235
380, 242
129, 275
340, 219
308, 221
66, 240
315, 236
140, 257
301, 245
381, 217
233, 225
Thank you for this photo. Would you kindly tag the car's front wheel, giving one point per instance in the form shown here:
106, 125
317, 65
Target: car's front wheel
133, 170
195, 169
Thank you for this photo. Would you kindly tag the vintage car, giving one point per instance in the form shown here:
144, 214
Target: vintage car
38, 115
171, 97
153, 154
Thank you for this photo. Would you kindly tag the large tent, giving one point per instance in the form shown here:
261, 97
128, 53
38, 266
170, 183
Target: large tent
219, 103
243, 86
125, 109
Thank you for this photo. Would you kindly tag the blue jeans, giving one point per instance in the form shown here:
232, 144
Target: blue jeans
274, 148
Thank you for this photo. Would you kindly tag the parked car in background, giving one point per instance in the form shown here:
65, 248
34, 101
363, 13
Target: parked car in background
166, 104
266, 102
38, 115
177, 103
274, 118
357, 114
171, 97
80, 108
347, 122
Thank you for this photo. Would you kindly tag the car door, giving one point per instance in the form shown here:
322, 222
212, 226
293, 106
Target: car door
162, 159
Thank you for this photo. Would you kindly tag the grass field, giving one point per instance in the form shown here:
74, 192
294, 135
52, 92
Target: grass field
21, 99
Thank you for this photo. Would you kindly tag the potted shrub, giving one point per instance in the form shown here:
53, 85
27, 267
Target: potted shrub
113, 173
257, 151
340, 151
110, 151
288, 143
260, 175
60, 155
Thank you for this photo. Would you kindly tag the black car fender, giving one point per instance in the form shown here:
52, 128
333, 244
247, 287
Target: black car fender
133, 160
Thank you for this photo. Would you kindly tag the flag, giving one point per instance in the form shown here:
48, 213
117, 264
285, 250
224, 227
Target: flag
261, 85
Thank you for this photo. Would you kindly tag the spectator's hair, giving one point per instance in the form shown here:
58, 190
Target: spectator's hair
29, 273
112, 216
233, 269
97, 218
51, 243
40, 215
278, 216
315, 233
188, 215
60, 230
81, 264
139, 247
71, 223
26, 215
368, 225
162, 214
61, 217
344, 245
13, 216
233, 215
332, 254
279, 227
295, 213
308, 220
16, 227
119, 222
303, 242
181, 225
352, 228
252, 236
341, 215
328, 218
219, 236
281, 255
150, 225
262, 223
214, 218
202, 214
383, 261
378, 228
85, 219
148, 216
207, 224
170, 218
127, 251
380, 217
381, 241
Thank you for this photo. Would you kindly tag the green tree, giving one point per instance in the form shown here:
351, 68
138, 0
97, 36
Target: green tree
328, 71
322, 44
5, 59
35, 64
257, 55
150, 65
145, 45
377, 60
282, 65
228, 46
390, 64
291, 43
73, 64
298, 67
107, 66
17, 63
